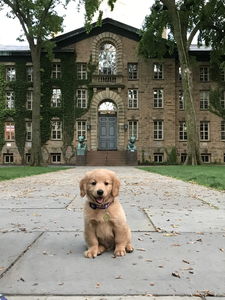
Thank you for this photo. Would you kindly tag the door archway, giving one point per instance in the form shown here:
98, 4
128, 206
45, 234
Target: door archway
98, 99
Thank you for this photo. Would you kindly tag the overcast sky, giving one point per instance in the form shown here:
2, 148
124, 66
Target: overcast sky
125, 11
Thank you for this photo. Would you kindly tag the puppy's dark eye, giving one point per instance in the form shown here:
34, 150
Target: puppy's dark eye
106, 183
93, 183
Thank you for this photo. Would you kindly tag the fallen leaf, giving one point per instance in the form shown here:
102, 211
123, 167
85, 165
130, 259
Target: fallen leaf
98, 285
61, 283
199, 240
148, 260
140, 239
1, 268
221, 249
168, 234
134, 264
185, 261
35, 284
118, 277
161, 267
175, 226
201, 233
22, 279
152, 283
175, 245
176, 274
141, 249
186, 269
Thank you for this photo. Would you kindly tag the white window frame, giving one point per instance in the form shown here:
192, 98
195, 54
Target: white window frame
10, 100
56, 70
29, 100
158, 130
132, 71
204, 73
133, 129
56, 158
82, 98
56, 97
107, 59
81, 71
10, 136
9, 157
206, 158
158, 98
182, 131
29, 131
158, 70
223, 130
181, 100
204, 131
204, 100
56, 132
158, 157
133, 98
30, 74
82, 129
10, 74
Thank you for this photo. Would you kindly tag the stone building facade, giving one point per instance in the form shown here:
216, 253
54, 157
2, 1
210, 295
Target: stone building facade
113, 94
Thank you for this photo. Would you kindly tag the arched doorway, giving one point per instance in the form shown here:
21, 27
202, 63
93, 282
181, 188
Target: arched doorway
107, 125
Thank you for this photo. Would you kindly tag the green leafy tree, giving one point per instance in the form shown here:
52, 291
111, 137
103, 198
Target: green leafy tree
39, 19
212, 34
183, 19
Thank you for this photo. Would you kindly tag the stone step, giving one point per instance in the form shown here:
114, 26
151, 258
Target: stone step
106, 158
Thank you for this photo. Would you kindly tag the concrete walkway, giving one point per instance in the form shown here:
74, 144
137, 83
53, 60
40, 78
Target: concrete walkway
178, 233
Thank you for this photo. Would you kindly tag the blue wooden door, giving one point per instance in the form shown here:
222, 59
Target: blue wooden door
107, 132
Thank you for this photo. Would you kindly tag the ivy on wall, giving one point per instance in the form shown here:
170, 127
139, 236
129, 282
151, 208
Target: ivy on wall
68, 112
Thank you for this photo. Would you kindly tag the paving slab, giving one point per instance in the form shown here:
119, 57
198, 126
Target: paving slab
103, 297
60, 268
20, 219
12, 246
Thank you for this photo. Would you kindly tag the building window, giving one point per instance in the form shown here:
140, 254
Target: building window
10, 74
181, 100
56, 98
204, 73
182, 131
158, 130
56, 130
204, 100
222, 75
82, 98
29, 100
56, 158
82, 129
222, 130
30, 74
204, 131
28, 156
206, 158
107, 59
224, 157
8, 158
81, 71
9, 131
29, 131
158, 71
179, 74
133, 129
158, 157
10, 100
56, 70
158, 98
132, 98
183, 157
222, 99
132, 71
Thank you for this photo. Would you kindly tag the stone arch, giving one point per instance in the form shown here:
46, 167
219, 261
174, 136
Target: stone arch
110, 38
97, 99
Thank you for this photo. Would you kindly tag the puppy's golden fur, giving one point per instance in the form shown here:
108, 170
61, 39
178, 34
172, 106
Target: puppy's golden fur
102, 187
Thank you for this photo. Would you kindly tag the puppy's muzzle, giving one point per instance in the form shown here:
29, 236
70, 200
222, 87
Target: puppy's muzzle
100, 199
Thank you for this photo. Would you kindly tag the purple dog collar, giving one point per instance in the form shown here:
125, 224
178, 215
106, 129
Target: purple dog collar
104, 206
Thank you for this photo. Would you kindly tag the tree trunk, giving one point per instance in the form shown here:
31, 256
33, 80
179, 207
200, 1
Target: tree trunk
36, 152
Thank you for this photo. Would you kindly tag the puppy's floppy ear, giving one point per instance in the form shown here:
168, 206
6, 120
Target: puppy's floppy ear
116, 185
83, 185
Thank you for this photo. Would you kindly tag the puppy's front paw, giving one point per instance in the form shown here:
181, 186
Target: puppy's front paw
120, 252
129, 248
90, 254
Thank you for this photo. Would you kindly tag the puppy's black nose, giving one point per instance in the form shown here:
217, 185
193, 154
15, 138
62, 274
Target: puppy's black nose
100, 192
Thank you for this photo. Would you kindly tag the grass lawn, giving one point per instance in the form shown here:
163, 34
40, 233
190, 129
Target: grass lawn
7, 173
209, 176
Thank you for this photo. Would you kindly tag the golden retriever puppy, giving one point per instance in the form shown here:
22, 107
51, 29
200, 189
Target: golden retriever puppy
105, 226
